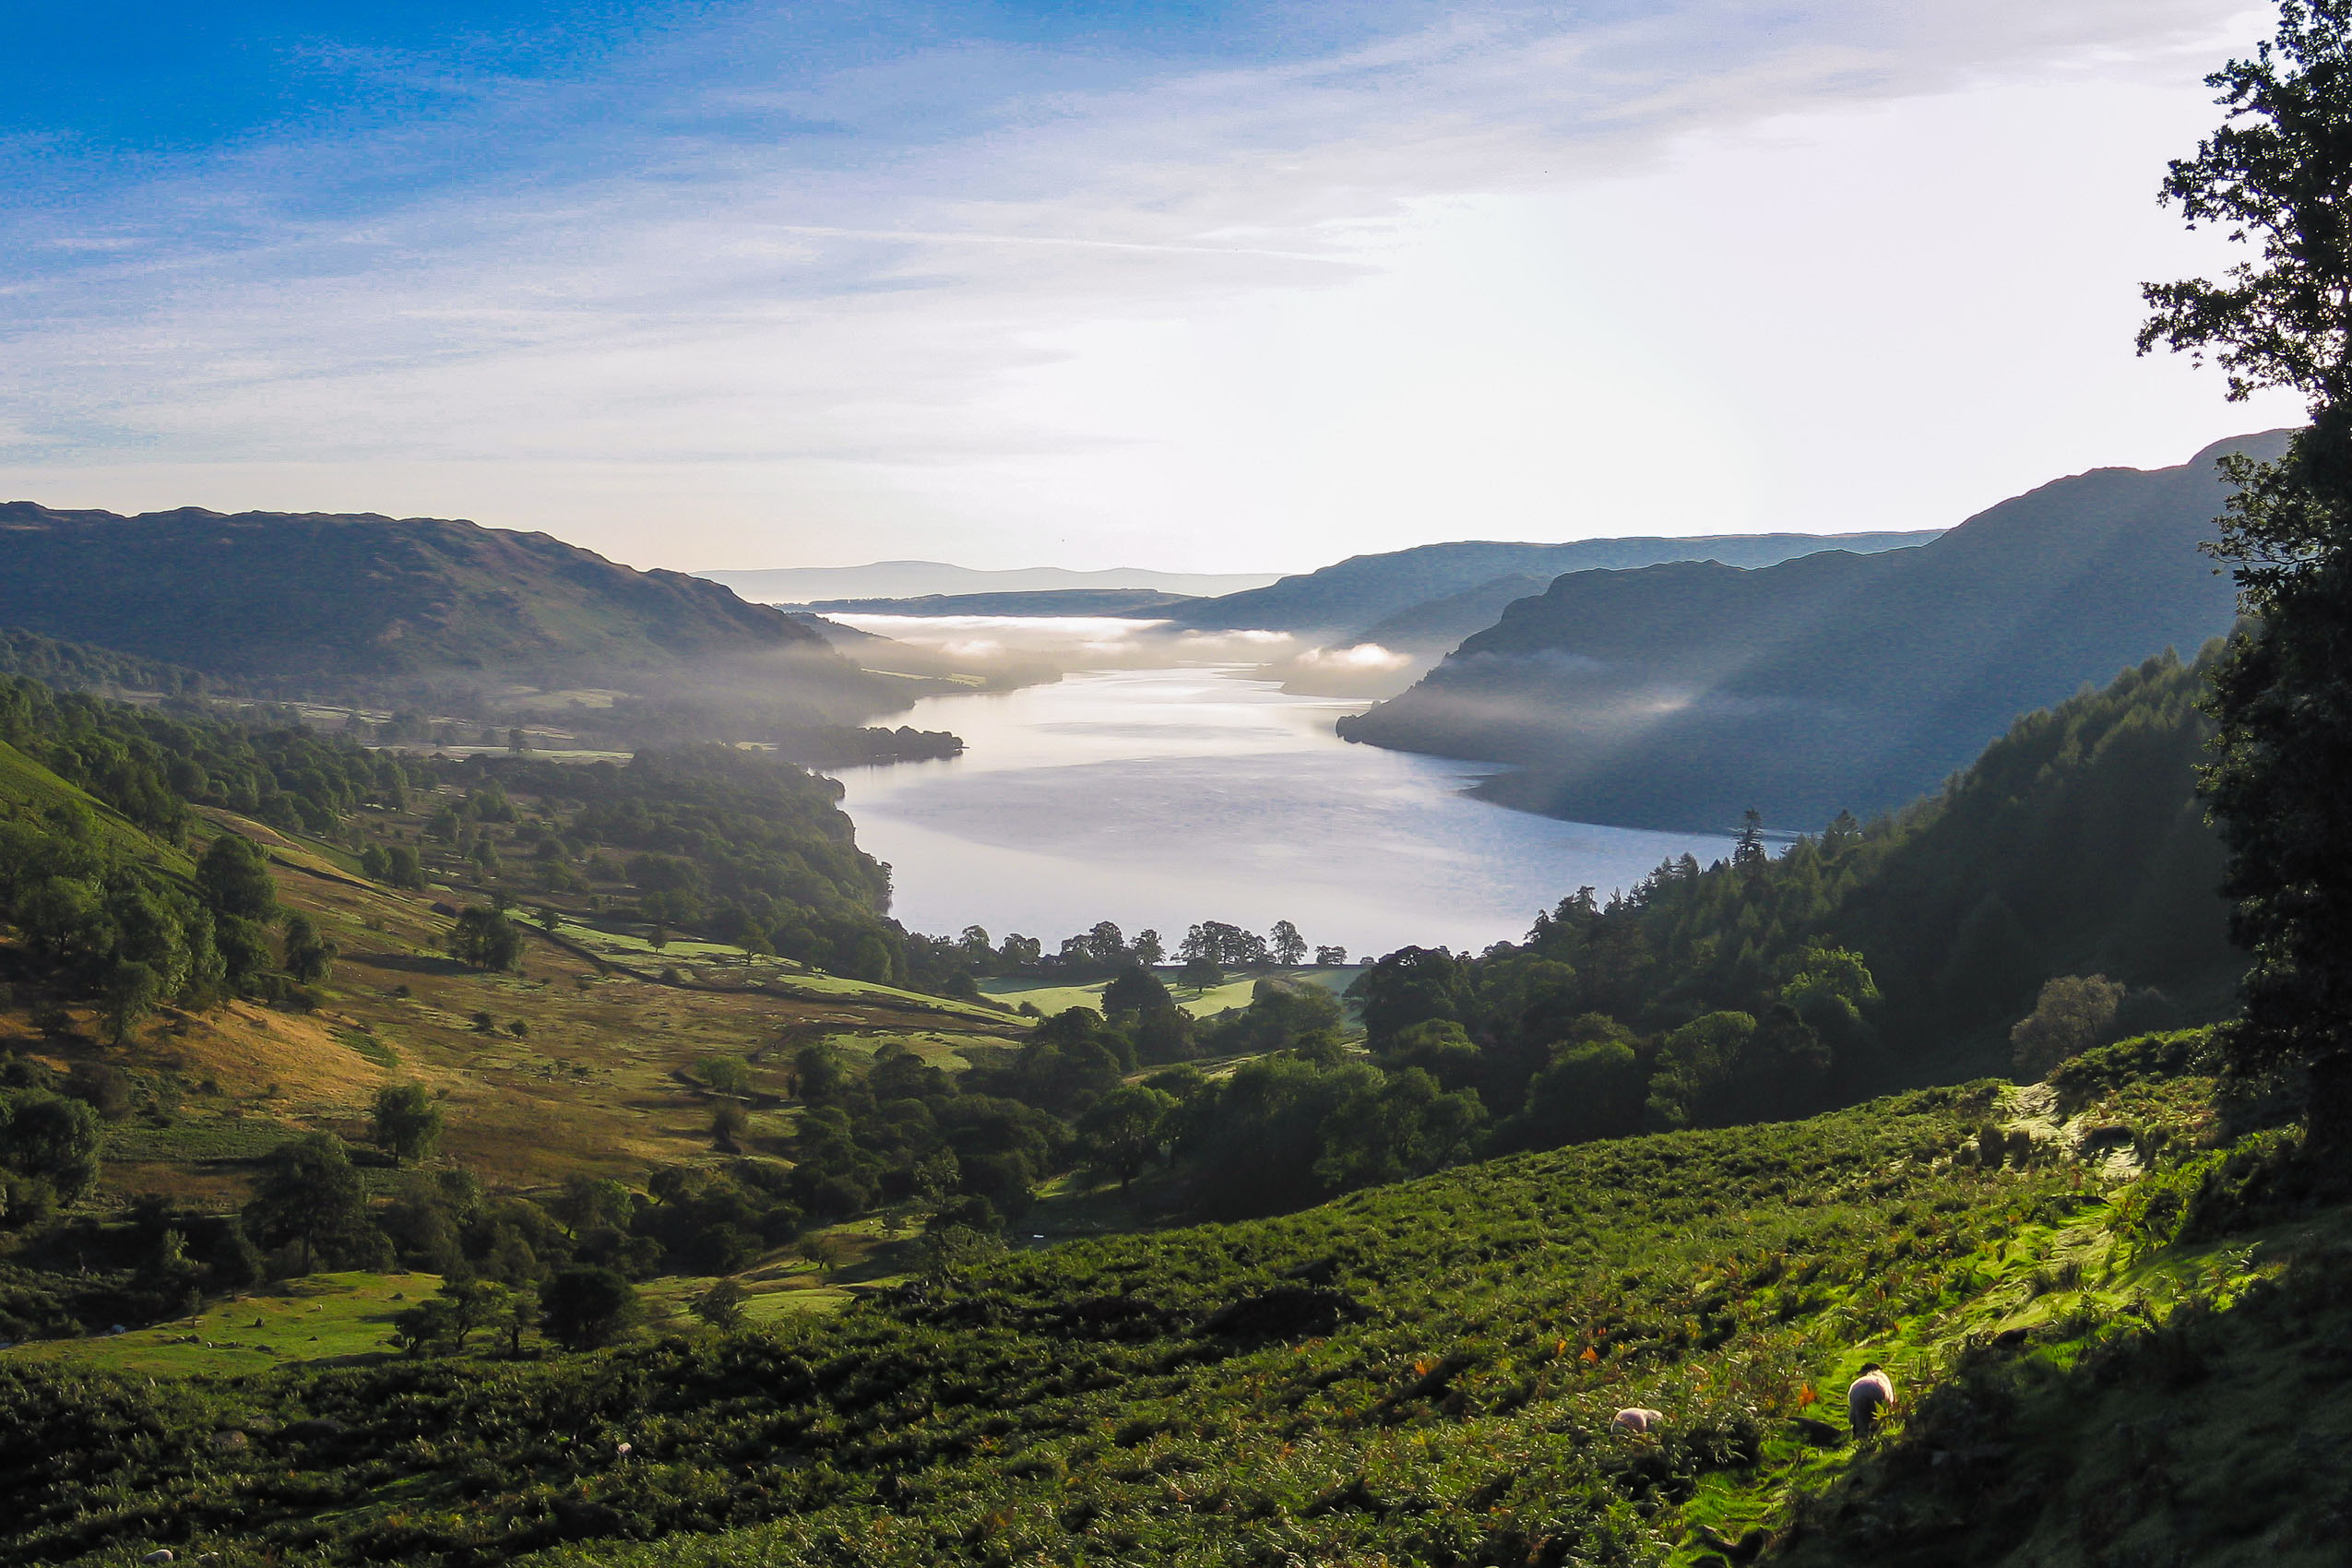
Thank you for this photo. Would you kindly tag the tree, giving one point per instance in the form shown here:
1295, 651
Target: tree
1698, 1070
721, 1306
1438, 1047
1411, 985
1331, 957
233, 880
2072, 1014
485, 939
2273, 177
1592, 1087
308, 1193
49, 1139
1287, 947
1105, 945
403, 869
1148, 950
405, 1124
519, 1311
1406, 1129
132, 992
1134, 990
585, 1308
310, 958
1121, 1132
1200, 971
1749, 850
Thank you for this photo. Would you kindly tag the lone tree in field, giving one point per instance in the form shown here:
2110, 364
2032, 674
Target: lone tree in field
310, 1193
485, 939
2278, 176
585, 1308
310, 956
407, 1122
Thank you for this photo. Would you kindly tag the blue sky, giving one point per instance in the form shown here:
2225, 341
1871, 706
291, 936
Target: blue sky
1233, 285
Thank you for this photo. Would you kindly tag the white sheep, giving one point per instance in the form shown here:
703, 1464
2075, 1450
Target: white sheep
1638, 1420
1869, 1394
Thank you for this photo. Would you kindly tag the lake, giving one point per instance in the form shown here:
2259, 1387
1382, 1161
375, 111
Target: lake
1161, 796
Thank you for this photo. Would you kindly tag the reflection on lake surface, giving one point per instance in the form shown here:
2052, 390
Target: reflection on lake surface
1161, 797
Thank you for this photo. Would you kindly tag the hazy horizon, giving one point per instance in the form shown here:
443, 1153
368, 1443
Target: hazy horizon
1099, 286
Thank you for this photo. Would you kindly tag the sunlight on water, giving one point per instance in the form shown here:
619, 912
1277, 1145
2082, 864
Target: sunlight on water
1159, 797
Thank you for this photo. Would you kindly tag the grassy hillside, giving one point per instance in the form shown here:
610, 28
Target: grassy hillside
29, 790
1421, 1373
1680, 695
314, 597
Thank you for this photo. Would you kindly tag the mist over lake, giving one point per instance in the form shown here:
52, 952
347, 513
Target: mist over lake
1159, 794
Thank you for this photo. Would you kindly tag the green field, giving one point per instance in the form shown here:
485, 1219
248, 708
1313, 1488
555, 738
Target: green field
1050, 997
326, 1317
718, 963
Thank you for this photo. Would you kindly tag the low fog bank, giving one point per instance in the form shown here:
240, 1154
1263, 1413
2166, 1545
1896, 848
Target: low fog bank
1003, 652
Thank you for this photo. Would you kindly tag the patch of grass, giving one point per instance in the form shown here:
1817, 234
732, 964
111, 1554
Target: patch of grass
1050, 996
326, 1317
195, 1139
28, 783
370, 1048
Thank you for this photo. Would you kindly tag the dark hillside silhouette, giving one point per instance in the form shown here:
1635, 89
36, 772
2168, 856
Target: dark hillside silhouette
1680, 695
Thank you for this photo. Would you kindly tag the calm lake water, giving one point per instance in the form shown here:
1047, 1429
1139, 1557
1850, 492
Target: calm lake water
1162, 796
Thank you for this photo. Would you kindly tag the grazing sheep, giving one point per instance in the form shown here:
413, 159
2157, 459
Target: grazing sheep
1869, 1394
1638, 1420
158, 1558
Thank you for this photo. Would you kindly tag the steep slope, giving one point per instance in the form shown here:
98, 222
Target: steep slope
1354, 594
1680, 694
1438, 625
274, 594
2075, 845
1425, 1374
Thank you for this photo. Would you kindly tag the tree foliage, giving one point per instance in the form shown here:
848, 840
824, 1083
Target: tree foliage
2278, 176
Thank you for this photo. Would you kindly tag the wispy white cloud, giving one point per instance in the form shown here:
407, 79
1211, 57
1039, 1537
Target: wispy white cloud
1061, 317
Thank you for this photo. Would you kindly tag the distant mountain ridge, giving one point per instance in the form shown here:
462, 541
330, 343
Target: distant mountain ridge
1049, 602
915, 579
1678, 695
1351, 595
337, 595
